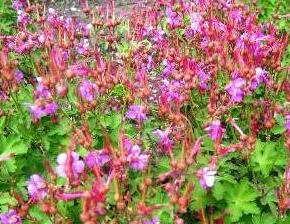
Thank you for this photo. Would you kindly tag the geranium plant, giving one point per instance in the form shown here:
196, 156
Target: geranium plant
177, 112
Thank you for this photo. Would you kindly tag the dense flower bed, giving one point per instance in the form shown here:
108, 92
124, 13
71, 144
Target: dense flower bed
178, 114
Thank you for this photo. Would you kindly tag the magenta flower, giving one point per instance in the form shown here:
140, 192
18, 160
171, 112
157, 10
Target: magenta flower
168, 69
137, 113
84, 29
79, 70
287, 122
88, 90
53, 19
158, 35
96, 158
50, 108
77, 165
236, 16
41, 91
37, 188
260, 77
19, 76
196, 20
84, 46
70, 25
23, 18
165, 143
170, 90
206, 177
10, 217
21, 43
19, 4
203, 78
3, 96
173, 18
236, 89
215, 130
59, 57
38, 111
135, 158
154, 220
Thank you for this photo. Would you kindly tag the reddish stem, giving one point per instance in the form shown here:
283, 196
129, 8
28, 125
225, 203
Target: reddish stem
202, 216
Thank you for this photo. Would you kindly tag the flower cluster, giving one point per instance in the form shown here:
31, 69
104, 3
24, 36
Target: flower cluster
143, 114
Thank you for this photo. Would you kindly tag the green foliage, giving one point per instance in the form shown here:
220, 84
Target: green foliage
262, 159
7, 17
271, 7
240, 199
245, 188
39, 216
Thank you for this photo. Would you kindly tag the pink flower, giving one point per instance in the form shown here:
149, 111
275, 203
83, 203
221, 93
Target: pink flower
260, 77
10, 217
173, 18
58, 57
21, 43
23, 18
19, 4
215, 130
53, 19
137, 113
203, 78
37, 188
196, 19
135, 158
287, 122
155, 220
84, 29
88, 90
19, 76
84, 46
206, 177
165, 143
236, 16
79, 70
158, 35
38, 111
170, 90
77, 165
41, 91
3, 96
96, 158
236, 89
168, 69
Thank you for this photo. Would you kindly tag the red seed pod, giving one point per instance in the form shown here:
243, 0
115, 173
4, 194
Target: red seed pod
174, 199
121, 205
85, 216
148, 181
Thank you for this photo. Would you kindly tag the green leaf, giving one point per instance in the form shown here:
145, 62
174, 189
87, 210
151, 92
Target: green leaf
199, 197
13, 144
218, 191
262, 158
279, 128
36, 213
265, 218
165, 217
240, 200
118, 90
6, 199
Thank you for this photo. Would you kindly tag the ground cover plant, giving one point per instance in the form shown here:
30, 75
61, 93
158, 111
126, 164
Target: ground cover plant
177, 113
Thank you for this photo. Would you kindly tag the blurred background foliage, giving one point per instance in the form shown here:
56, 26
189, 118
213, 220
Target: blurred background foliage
270, 10
7, 17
